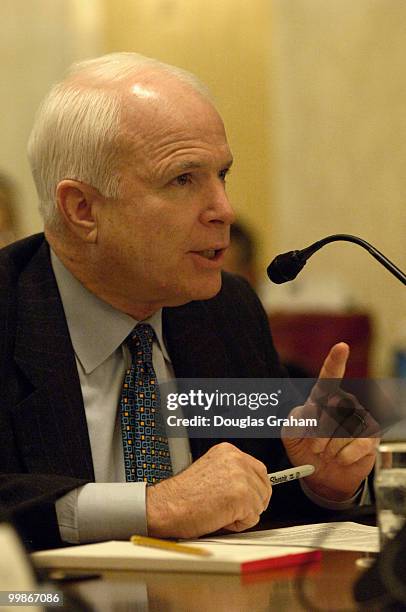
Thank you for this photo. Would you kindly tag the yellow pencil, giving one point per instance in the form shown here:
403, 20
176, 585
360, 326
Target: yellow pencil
168, 545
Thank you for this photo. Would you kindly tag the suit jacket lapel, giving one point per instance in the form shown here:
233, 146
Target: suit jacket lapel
51, 419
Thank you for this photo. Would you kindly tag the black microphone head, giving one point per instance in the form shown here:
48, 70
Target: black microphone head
285, 267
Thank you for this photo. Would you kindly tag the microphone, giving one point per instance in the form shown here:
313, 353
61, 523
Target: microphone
286, 266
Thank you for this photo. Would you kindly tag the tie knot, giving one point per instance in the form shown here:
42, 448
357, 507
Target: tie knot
140, 342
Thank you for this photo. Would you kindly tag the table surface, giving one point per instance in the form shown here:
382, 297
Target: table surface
324, 585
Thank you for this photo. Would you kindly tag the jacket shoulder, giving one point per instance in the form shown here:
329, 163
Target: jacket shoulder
14, 259
21, 251
16, 256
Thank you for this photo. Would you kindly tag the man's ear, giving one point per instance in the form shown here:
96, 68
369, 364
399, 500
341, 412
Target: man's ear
77, 203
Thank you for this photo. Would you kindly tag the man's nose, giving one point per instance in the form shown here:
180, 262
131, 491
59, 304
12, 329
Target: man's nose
219, 209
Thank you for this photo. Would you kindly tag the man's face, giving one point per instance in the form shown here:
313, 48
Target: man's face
164, 239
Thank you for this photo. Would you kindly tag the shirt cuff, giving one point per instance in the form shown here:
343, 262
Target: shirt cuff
102, 511
358, 499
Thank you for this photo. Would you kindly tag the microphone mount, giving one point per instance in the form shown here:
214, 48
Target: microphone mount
286, 267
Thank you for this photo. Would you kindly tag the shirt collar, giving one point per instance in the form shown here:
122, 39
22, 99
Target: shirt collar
96, 328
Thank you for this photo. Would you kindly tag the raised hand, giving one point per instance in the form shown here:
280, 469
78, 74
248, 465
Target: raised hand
341, 463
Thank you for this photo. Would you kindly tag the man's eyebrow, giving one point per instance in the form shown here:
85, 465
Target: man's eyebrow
188, 165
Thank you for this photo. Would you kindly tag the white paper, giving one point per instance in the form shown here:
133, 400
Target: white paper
333, 536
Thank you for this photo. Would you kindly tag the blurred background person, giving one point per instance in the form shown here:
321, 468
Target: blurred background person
7, 211
240, 257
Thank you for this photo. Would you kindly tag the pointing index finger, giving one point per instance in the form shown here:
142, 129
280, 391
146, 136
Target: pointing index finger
331, 373
335, 362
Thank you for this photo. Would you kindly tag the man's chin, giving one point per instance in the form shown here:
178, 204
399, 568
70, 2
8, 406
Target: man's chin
205, 291
208, 290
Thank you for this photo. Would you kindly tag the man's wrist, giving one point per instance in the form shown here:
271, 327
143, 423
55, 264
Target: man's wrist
160, 512
325, 501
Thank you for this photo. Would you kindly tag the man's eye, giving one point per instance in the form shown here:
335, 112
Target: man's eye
223, 174
183, 179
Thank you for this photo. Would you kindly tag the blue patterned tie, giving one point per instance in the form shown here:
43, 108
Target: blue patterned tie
146, 449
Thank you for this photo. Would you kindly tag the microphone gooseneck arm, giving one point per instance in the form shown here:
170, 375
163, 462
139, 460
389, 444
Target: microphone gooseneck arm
286, 267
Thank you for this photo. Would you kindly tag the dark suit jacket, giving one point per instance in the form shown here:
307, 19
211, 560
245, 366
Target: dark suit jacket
44, 443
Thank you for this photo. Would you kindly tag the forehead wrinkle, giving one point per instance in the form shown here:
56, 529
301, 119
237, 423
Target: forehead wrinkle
192, 165
201, 156
154, 156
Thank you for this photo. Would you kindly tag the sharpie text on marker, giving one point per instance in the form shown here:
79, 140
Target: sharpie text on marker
291, 474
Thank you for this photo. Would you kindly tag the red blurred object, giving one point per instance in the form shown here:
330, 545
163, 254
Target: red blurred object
304, 339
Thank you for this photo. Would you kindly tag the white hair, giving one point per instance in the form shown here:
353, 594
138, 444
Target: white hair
76, 134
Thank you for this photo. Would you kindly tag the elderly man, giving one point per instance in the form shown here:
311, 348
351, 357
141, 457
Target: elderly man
130, 160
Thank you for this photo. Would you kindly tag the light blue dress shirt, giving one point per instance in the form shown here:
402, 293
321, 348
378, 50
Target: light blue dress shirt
110, 508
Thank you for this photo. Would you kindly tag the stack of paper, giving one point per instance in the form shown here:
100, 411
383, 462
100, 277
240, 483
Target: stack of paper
233, 554
224, 558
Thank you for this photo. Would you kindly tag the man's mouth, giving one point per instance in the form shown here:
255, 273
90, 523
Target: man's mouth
211, 254
208, 253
